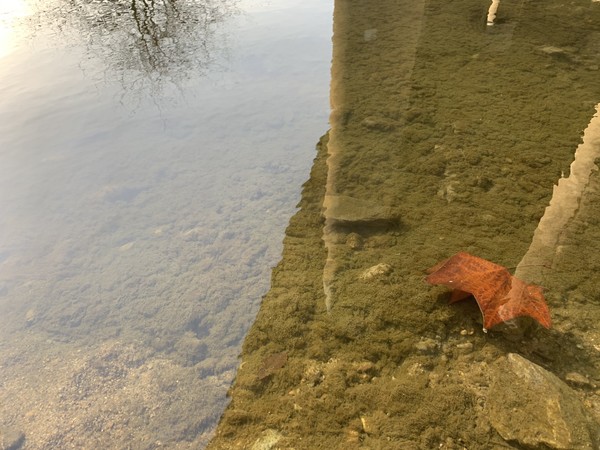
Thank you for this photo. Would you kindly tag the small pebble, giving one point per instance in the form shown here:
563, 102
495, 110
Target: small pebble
465, 347
378, 271
426, 345
577, 379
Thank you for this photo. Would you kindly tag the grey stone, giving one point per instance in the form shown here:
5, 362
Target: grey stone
531, 406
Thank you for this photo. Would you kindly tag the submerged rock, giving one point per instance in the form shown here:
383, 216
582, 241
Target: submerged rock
267, 440
531, 406
377, 271
344, 209
354, 241
379, 123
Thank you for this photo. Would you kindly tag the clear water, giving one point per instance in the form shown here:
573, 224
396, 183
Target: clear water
448, 134
151, 154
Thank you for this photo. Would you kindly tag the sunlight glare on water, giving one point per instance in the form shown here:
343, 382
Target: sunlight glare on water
151, 155
10, 10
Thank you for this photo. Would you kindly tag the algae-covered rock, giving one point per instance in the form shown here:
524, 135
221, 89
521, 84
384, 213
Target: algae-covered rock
533, 407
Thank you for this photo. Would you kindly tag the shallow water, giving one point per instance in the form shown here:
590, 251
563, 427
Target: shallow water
150, 158
448, 135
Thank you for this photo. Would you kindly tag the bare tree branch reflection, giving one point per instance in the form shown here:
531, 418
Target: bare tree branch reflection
146, 42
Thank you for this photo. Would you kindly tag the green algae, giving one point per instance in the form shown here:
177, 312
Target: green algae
462, 130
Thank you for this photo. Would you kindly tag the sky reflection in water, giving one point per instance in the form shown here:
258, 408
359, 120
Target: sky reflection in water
150, 158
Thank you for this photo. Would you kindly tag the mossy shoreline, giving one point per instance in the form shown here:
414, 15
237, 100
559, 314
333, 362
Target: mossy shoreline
460, 131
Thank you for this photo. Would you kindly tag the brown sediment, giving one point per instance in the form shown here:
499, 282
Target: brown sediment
447, 135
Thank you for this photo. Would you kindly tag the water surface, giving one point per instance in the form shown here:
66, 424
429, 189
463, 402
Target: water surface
447, 135
151, 154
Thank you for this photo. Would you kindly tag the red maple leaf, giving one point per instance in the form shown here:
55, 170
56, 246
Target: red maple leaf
500, 295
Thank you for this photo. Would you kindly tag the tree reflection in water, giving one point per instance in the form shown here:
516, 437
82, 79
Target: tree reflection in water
144, 43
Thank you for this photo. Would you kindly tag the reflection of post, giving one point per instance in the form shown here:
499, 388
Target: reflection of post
492, 12
564, 205
359, 92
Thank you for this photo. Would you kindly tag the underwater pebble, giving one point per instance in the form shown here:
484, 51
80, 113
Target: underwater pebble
577, 379
354, 241
364, 366
465, 347
30, 316
426, 345
268, 439
556, 52
378, 123
578, 297
370, 34
313, 375
377, 271
365, 425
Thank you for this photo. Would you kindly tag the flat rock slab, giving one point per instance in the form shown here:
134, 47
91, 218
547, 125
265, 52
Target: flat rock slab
531, 406
348, 210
